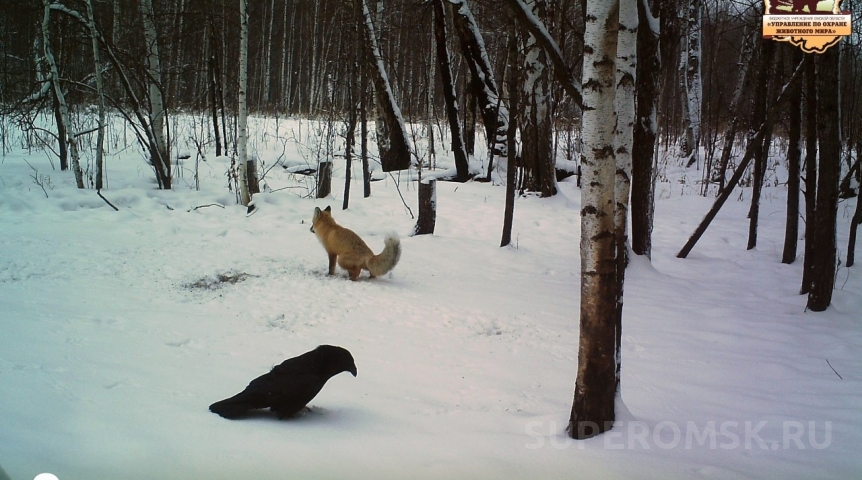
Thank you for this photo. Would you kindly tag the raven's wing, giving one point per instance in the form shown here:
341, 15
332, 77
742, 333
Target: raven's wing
290, 393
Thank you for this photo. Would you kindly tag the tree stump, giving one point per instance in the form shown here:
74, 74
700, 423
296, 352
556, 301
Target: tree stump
324, 179
427, 208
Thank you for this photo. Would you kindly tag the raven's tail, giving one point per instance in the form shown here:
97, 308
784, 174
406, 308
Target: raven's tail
235, 406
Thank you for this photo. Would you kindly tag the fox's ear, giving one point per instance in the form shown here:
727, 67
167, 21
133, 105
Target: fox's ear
328, 209
316, 211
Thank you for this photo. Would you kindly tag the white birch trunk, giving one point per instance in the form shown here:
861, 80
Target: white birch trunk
595, 388
537, 147
157, 103
100, 136
54, 76
242, 111
624, 104
690, 64
624, 101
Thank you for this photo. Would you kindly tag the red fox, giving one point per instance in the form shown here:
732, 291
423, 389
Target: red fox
352, 253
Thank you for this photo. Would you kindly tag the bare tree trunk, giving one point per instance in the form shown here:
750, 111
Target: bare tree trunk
495, 116
242, 111
395, 145
430, 83
596, 387
561, 67
624, 105
363, 122
100, 92
720, 171
267, 58
690, 60
645, 129
324, 179
829, 148
537, 156
214, 86
810, 173
855, 221
461, 165
353, 89
427, 207
755, 143
764, 81
64, 122
511, 161
159, 152
313, 89
794, 154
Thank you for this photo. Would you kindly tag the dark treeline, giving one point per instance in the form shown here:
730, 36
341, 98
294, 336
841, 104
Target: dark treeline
299, 55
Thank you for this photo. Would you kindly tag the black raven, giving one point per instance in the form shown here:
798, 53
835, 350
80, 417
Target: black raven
290, 386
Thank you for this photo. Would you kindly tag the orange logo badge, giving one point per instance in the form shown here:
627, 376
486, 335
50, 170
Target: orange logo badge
811, 25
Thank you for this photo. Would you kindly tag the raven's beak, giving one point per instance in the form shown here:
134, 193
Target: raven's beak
352, 370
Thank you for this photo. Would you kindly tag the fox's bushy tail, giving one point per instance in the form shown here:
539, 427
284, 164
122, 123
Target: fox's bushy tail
384, 263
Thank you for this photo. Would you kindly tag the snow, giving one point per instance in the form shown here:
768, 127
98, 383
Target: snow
116, 334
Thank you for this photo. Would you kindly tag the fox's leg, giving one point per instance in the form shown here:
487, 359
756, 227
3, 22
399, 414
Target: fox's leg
354, 273
332, 257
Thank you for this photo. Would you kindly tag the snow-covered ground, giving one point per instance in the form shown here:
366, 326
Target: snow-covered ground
119, 328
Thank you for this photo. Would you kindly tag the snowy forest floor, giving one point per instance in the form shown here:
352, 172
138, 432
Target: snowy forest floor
119, 328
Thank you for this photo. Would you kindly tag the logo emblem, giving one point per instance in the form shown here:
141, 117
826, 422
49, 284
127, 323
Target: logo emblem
811, 25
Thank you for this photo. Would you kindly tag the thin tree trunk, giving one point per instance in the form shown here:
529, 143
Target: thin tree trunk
363, 121
214, 86
395, 151
313, 89
267, 58
242, 111
562, 69
100, 91
760, 154
720, 170
158, 115
511, 162
353, 90
449, 95
810, 172
536, 127
624, 105
851, 240
829, 148
595, 387
794, 154
62, 142
644, 136
857, 217
62, 107
690, 63
430, 83
495, 116
753, 144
